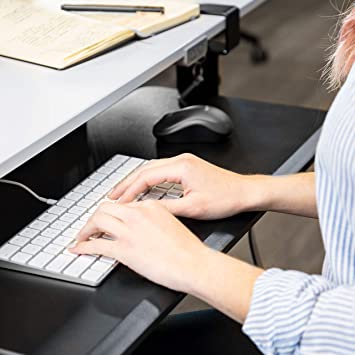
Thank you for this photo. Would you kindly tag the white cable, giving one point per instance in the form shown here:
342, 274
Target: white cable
48, 201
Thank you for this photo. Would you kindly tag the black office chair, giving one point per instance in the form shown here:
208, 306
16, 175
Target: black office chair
258, 54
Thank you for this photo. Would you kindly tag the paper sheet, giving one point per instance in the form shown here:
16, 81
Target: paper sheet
39, 31
53, 38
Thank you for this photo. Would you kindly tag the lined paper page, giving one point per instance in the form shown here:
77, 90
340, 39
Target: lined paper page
53, 38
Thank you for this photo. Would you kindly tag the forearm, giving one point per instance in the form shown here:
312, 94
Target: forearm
223, 282
282, 311
294, 194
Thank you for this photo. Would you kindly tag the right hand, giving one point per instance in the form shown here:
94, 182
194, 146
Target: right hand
210, 192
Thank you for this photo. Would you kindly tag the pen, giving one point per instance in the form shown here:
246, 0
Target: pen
111, 8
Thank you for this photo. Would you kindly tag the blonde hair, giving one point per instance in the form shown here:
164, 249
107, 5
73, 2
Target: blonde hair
343, 57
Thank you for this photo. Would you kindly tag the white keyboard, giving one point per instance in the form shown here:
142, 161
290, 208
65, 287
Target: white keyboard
41, 247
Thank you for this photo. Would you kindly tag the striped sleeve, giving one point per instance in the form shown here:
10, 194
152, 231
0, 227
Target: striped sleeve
295, 313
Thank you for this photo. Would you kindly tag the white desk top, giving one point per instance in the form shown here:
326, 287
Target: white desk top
38, 105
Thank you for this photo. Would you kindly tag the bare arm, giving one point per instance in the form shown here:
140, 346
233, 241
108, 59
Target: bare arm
225, 283
294, 194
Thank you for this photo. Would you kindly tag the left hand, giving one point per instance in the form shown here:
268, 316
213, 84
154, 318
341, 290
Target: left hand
148, 239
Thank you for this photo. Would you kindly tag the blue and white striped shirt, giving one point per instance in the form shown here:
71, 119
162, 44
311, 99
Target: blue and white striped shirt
295, 313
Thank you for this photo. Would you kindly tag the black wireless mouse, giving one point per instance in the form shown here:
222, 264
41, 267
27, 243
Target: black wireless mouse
194, 124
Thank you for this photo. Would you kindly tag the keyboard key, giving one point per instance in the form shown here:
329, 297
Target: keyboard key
41, 241
63, 241
57, 210
120, 158
53, 249
59, 263
100, 266
7, 250
134, 162
40, 260
65, 203
29, 232
18, 240
113, 164
106, 170
50, 233
92, 209
109, 183
175, 193
108, 260
98, 176
85, 217
93, 196
60, 225
157, 191
40, 225
82, 189
78, 225
21, 258
90, 183
165, 185
178, 187
77, 210
86, 203
78, 266
150, 197
166, 197
89, 257
68, 217
47, 217
75, 196
117, 177
31, 249
102, 190
70, 232
91, 275
126, 170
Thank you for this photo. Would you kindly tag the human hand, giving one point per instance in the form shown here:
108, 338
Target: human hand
146, 238
210, 192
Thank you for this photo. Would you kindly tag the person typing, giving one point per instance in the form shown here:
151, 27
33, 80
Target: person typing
281, 311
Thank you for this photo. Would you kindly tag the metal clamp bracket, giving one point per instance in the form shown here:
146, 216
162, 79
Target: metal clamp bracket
199, 81
195, 52
232, 30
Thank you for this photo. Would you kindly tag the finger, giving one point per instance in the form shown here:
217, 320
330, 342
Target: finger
178, 207
121, 186
122, 212
149, 178
97, 246
100, 223
119, 189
